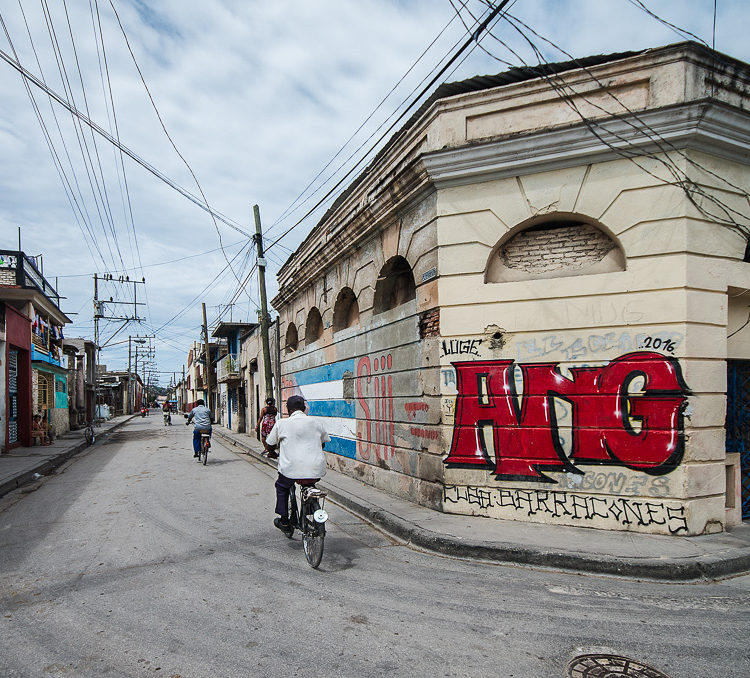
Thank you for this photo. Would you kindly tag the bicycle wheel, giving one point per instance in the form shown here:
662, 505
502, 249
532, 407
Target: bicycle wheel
90, 437
313, 534
204, 454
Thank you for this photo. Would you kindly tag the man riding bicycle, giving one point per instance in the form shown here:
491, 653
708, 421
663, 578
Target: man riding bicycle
203, 420
300, 439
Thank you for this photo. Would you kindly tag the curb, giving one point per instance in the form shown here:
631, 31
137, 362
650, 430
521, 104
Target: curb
48, 465
701, 569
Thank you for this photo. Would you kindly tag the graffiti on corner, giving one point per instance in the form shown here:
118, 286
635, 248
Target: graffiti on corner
571, 507
628, 412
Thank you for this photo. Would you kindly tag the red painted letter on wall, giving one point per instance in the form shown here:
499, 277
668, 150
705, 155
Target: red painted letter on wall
611, 422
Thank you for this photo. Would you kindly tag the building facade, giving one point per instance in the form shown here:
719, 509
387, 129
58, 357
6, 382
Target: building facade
35, 377
252, 368
197, 376
81, 385
530, 306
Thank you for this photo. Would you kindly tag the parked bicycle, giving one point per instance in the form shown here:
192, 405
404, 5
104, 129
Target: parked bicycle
88, 432
310, 519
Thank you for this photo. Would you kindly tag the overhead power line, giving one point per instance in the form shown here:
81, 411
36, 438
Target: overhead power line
131, 154
171, 141
471, 39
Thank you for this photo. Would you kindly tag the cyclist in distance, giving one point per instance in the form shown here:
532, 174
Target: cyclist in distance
300, 439
203, 420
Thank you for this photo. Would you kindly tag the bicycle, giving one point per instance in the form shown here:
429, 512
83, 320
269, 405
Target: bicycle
167, 419
89, 434
310, 520
205, 445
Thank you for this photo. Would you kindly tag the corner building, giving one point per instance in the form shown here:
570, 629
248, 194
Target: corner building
533, 304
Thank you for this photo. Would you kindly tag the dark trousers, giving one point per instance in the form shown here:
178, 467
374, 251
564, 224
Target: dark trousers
197, 439
284, 486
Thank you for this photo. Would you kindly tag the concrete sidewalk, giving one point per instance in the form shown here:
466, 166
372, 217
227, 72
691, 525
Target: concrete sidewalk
24, 463
625, 554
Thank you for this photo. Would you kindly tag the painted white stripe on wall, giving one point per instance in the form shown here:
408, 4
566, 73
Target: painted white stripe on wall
341, 427
323, 390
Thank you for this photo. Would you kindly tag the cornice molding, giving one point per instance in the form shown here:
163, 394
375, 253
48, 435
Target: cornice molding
714, 128
336, 242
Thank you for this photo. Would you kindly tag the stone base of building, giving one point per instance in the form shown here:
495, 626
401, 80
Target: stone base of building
416, 490
60, 420
652, 515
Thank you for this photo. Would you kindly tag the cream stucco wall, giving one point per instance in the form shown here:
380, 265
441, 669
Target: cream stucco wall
679, 268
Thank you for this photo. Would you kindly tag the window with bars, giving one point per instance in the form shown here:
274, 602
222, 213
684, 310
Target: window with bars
45, 391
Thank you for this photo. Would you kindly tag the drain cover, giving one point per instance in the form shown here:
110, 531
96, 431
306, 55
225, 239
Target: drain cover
610, 666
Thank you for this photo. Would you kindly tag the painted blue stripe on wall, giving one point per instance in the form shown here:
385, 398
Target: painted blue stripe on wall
346, 447
331, 372
331, 408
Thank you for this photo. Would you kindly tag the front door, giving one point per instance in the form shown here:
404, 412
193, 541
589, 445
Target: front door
12, 397
738, 423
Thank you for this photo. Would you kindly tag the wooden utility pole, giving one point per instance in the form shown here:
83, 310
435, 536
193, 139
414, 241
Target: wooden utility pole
136, 378
264, 319
208, 361
129, 408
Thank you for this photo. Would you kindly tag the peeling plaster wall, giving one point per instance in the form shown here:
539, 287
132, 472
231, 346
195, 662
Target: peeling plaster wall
375, 383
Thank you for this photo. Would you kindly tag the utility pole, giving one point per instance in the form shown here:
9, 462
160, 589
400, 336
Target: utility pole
264, 319
136, 372
97, 315
99, 307
208, 360
130, 381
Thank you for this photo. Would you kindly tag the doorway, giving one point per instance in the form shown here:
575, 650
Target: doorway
738, 423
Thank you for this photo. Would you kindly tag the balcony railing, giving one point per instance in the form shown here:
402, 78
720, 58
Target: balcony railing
228, 368
24, 268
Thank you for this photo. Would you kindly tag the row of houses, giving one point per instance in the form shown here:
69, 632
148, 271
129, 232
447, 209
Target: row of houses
533, 303
235, 369
41, 370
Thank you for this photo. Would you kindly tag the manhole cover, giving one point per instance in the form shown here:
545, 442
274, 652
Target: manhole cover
610, 666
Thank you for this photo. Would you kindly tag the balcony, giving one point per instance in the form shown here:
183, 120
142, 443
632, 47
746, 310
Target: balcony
228, 369
18, 269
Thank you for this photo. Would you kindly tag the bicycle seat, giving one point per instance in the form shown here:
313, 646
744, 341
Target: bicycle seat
205, 431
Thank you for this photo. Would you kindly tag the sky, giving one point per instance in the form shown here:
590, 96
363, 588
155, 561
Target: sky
245, 102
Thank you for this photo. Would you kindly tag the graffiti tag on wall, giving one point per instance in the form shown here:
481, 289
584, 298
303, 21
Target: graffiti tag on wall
593, 345
628, 413
376, 390
460, 346
571, 507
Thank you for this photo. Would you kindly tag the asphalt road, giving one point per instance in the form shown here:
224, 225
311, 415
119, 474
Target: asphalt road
135, 560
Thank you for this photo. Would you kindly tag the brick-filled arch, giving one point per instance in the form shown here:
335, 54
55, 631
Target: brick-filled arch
554, 247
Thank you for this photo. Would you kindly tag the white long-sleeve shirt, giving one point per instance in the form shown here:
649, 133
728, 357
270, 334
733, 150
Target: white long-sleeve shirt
300, 439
